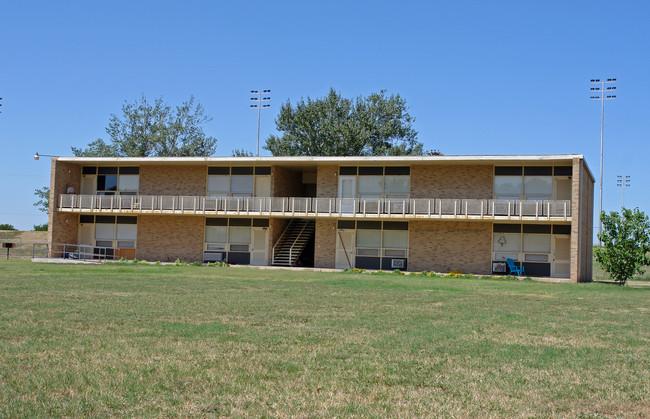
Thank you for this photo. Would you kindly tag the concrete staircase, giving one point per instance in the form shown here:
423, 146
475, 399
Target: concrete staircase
293, 241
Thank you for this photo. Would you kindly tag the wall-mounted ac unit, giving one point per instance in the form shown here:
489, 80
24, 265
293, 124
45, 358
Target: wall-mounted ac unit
499, 267
397, 263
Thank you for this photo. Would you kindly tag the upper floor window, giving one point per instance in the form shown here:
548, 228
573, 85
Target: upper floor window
239, 181
532, 182
375, 182
110, 180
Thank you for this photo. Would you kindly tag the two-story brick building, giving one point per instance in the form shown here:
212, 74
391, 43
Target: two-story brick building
442, 213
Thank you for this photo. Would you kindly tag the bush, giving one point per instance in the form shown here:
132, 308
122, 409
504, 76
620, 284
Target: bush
40, 227
7, 227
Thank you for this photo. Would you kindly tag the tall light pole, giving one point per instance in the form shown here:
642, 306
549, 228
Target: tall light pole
623, 182
259, 106
602, 94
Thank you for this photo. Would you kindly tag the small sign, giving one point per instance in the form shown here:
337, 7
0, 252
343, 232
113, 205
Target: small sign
8, 245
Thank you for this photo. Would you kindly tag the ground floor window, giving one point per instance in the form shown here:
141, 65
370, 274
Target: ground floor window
541, 249
379, 244
230, 239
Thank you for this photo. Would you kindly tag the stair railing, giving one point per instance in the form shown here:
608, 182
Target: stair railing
280, 239
291, 258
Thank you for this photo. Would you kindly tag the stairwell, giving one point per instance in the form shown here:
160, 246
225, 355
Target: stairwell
292, 242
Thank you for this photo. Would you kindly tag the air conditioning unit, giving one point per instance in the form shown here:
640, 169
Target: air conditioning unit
213, 256
499, 267
397, 263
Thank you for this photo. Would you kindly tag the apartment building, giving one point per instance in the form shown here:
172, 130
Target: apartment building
440, 213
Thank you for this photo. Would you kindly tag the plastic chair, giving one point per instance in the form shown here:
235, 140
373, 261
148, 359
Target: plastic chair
514, 269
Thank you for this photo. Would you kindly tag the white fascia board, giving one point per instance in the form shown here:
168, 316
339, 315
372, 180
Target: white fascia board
325, 160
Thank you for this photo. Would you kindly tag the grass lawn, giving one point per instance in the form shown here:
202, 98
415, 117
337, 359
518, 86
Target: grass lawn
136, 340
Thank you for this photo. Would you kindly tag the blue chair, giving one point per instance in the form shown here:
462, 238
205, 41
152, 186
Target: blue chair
514, 269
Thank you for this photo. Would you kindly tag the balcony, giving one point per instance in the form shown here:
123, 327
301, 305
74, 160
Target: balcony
453, 209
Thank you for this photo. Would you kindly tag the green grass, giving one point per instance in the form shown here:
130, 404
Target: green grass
145, 340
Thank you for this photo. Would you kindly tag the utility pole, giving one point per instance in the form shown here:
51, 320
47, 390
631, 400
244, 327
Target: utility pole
602, 94
623, 182
259, 106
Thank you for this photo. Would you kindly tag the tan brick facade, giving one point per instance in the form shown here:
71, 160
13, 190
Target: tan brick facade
173, 180
450, 182
167, 238
325, 244
445, 246
63, 227
582, 191
327, 181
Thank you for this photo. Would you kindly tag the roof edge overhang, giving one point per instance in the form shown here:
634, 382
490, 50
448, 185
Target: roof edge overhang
319, 160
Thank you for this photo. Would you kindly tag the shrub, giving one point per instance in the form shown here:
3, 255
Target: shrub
40, 227
7, 227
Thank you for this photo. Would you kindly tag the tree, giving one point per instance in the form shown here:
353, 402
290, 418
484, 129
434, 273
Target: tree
154, 129
625, 243
43, 196
40, 227
241, 152
377, 125
7, 227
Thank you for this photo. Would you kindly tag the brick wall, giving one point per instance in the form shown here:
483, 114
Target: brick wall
286, 182
62, 227
445, 246
327, 182
473, 182
325, 244
173, 180
582, 201
166, 238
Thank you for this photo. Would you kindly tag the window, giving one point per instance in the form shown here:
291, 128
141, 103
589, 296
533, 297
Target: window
111, 231
114, 180
231, 238
527, 183
528, 243
379, 182
236, 181
378, 243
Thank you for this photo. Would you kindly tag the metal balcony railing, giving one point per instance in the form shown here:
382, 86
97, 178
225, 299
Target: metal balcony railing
318, 207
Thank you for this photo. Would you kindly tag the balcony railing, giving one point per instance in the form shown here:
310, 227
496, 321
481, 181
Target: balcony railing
319, 207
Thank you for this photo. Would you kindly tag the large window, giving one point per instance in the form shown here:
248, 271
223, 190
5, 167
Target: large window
114, 180
380, 245
112, 231
530, 244
230, 238
238, 181
529, 183
380, 182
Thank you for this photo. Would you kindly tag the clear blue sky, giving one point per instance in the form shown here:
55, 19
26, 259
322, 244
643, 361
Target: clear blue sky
480, 77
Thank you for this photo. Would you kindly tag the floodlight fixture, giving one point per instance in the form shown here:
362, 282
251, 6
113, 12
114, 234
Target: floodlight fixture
259, 106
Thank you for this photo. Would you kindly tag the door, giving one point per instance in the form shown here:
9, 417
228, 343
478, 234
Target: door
259, 250
345, 245
562, 188
561, 257
88, 183
347, 193
86, 240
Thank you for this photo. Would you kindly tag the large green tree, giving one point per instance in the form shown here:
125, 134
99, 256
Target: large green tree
625, 243
376, 125
154, 129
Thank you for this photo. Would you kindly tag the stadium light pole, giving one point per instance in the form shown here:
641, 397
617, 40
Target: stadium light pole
259, 106
623, 182
602, 94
